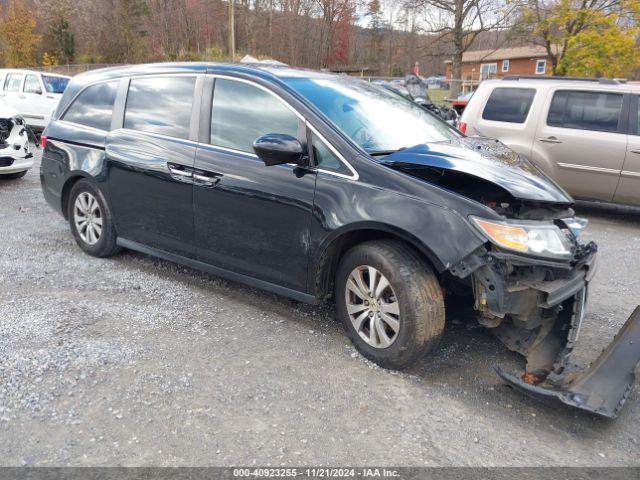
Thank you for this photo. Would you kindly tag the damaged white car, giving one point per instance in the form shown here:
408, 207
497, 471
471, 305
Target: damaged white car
15, 154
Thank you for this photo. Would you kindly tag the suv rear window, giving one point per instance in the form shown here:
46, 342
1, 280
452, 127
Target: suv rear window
160, 105
94, 106
509, 104
585, 110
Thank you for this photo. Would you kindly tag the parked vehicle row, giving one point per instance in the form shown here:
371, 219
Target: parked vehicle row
27, 101
15, 154
584, 133
414, 89
319, 186
35, 95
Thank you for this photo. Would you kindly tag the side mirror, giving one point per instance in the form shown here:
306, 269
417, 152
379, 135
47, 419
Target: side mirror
278, 149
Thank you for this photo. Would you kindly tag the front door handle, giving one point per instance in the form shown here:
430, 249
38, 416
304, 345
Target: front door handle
550, 139
206, 179
635, 151
180, 172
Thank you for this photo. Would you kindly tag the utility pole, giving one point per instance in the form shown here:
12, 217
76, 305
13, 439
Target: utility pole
232, 30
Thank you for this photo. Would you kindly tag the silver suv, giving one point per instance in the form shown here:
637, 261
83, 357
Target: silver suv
584, 133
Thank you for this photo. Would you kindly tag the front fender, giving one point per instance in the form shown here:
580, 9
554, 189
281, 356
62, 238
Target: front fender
342, 206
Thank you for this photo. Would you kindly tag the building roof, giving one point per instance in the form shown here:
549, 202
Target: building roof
506, 53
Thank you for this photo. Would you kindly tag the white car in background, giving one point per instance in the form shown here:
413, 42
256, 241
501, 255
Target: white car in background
35, 95
15, 155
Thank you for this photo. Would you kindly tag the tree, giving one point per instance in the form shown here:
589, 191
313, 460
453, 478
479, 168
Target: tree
19, 40
125, 35
59, 40
340, 40
376, 32
572, 27
331, 11
460, 22
607, 51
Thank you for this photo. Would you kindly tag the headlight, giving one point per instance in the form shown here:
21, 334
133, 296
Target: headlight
529, 238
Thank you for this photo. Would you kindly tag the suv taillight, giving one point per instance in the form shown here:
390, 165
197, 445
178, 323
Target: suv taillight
462, 126
43, 141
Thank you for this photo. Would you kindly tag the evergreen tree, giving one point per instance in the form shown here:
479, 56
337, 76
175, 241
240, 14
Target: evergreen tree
59, 40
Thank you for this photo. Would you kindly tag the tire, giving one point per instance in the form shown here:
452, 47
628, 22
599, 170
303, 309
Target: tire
13, 176
418, 301
104, 244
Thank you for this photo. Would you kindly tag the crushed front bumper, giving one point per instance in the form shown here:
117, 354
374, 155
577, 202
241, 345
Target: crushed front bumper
603, 387
536, 308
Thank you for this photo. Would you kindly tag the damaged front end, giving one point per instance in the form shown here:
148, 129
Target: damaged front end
536, 308
530, 280
14, 139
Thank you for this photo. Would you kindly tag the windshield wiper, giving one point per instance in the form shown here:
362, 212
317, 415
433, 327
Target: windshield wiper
381, 153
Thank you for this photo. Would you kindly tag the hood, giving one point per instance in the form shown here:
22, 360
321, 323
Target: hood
486, 159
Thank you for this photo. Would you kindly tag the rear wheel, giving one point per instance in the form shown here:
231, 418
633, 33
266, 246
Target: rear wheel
390, 303
91, 221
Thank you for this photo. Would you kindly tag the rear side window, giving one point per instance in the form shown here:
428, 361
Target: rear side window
242, 112
509, 104
55, 84
12, 82
32, 85
585, 110
160, 105
94, 106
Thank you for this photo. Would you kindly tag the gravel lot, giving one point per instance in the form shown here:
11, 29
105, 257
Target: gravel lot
136, 361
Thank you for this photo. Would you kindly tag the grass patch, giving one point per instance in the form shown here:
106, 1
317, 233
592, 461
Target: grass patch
437, 95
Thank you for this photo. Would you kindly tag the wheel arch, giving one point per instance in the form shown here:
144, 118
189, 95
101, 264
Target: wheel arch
73, 178
333, 249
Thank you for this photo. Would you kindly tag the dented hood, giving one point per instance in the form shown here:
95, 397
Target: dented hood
484, 158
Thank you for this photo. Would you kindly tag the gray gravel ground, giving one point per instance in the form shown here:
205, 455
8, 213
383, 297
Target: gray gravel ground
137, 361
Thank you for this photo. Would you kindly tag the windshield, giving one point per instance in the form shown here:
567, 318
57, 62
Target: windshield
54, 84
376, 119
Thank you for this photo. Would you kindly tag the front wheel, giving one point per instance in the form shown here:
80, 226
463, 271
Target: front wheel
390, 303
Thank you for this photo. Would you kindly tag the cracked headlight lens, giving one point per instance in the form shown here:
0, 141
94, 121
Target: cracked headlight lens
533, 238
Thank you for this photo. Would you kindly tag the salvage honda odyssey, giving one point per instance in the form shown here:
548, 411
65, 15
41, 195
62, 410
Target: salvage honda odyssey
313, 185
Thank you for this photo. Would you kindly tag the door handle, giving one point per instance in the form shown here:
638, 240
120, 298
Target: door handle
550, 139
635, 151
206, 179
179, 171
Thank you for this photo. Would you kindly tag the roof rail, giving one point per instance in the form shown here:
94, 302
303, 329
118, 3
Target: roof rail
605, 81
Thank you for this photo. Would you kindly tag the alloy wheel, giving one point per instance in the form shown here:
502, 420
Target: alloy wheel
87, 217
372, 306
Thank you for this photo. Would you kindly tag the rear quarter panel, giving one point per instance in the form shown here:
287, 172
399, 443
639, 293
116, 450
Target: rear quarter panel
71, 151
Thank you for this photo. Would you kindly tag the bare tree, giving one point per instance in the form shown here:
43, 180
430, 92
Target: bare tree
460, 22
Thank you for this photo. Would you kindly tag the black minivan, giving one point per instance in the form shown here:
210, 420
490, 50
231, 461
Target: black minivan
314, 185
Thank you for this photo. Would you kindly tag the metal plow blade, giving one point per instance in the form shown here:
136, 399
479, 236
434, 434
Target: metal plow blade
604, 386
